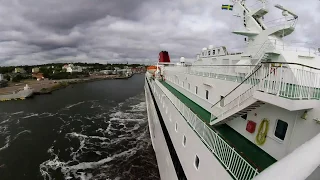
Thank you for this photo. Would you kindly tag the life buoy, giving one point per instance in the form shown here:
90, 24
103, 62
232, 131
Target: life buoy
262, 132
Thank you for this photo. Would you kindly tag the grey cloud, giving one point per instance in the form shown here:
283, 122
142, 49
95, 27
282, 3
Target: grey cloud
43, 31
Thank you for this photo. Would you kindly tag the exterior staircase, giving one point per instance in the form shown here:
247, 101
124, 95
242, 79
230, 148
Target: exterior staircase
279, 86
242, 112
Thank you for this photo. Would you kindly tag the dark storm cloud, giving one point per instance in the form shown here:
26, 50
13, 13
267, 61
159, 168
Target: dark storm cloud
42, 31
68, 14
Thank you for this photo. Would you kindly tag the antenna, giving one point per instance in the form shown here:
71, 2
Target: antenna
287, 11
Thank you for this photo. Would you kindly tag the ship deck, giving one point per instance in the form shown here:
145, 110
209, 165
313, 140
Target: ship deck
243, 146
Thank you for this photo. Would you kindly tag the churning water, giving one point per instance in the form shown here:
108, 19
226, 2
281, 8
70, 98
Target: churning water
97, 130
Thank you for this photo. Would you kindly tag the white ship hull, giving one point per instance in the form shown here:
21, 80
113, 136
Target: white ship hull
209, 167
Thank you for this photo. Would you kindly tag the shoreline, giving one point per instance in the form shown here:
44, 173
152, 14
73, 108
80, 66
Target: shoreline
48, 86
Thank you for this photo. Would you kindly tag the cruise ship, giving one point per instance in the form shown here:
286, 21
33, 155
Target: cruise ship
252, 114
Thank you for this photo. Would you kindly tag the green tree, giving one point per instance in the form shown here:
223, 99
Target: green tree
7, 77
17, 78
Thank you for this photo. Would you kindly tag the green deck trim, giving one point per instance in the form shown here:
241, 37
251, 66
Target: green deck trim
243, 146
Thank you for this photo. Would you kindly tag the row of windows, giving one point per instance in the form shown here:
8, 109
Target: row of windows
184, 141
196, 89
176, 162
209, 52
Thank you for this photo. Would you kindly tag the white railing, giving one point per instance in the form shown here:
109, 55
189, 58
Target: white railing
235, 73
257, 5
293, 81
289, 80
284, 22
238, 167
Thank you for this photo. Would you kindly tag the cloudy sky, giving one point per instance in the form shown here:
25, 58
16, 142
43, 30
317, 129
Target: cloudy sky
43, 31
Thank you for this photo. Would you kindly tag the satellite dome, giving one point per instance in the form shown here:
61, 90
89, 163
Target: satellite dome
211, 47
204, 49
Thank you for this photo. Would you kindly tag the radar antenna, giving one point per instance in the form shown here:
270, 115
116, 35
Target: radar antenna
285, 11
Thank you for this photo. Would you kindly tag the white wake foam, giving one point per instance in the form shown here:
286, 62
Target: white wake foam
121, 123
72, 105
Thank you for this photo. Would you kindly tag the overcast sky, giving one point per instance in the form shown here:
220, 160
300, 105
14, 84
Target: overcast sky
43, 31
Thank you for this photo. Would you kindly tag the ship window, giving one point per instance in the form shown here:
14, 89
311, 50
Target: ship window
196, 162
207, 94
189, 86
202, 53
244, 116
218, 51
221, 101
176, 127
209, 52
184, 140
196, 89
213, 52
281, 129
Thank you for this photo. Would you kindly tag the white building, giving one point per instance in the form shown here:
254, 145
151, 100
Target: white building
72, 68
35, 70
106, 71
19, 70
1, 77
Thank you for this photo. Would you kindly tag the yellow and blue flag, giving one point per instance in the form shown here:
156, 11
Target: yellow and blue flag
227, 7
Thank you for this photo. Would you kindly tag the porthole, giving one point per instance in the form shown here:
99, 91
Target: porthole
184, 141
176, 127
196, 162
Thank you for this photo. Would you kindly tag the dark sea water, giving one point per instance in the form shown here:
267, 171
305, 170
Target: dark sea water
96, 130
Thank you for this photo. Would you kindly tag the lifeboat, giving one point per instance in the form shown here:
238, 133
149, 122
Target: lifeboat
152, 69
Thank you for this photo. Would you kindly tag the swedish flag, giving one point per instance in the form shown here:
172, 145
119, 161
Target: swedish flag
227, 7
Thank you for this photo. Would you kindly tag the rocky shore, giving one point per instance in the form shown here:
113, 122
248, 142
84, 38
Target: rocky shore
48, 86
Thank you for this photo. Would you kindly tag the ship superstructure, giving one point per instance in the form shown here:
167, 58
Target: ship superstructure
243, 115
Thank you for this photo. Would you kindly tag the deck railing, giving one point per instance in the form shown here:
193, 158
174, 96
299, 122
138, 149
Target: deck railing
233, 162
288, 80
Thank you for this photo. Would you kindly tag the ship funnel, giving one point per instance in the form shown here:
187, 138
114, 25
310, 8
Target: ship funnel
164, 57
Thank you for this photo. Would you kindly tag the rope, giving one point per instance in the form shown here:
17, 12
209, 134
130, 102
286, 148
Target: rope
262, 132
